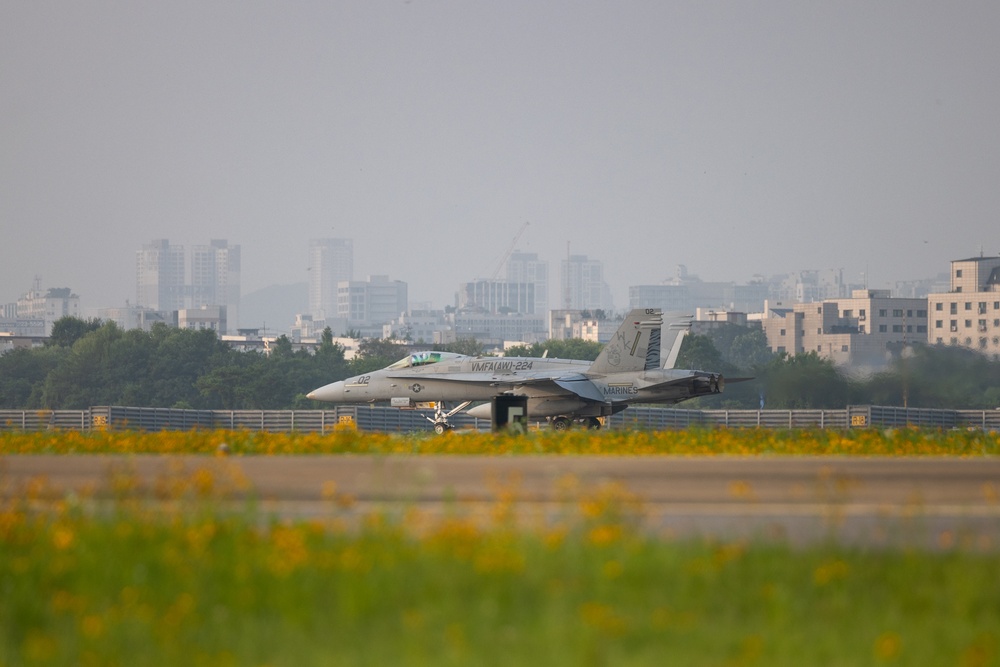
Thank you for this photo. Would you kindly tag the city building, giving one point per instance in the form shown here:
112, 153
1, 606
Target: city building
810, 285
331, 262
215, 278
583, 324
861, 330
490, 329
160, 276
37, 311
707, 319
968, 315
368, 304
12, 341
685, 293
168, 280
497, 296
137, 317
421, 327
251, 340
583, 286
562, 322
203, 317
525, 267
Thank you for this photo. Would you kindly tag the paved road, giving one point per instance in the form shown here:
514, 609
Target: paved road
934, 503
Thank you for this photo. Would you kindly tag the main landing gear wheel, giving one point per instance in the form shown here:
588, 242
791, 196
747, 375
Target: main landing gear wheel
441, 427
561, 424
593, 423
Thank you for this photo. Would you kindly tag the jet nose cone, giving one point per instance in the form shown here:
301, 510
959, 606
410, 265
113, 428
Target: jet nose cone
331, 392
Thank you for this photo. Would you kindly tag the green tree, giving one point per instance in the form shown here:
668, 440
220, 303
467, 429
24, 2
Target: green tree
22, 376
67, 330
698, 352
804, 381
86, 375
936, 376
177, 359
227, 386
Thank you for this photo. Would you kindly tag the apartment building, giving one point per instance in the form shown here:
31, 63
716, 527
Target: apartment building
860, 330
371, 303
968, 315
37, 311
331, 262
583, 286
497, 296
525, 267
169, 280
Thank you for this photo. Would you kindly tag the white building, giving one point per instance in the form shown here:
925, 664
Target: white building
370, 304
167, 280
37, 311
421, 326
969, 314
160, 276
205, 317
583, 286
496, 329
137, 317
215, 278
331, 262
861, 330
525, 267
497, 296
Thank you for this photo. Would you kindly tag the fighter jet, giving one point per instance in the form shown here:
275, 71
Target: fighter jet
627, 371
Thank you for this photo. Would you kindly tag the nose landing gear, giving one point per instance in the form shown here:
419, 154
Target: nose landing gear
440, 419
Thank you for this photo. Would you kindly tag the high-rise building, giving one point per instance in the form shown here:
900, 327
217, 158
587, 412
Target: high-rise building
215, 279
159, 271
497, 296
525, 267
583, 286
331, 261
167, 280
373, 302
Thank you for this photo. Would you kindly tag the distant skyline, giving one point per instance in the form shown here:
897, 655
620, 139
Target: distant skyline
734, 138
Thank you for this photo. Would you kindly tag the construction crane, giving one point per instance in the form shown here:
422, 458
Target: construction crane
506, 255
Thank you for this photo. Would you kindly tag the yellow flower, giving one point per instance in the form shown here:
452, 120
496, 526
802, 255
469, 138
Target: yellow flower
830, 571
62, 538
888, 646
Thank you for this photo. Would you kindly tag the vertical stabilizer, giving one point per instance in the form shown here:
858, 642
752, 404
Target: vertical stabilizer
629, 348
677, 325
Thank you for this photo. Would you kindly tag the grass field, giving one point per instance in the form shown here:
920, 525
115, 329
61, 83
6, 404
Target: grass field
129, 582
133, 586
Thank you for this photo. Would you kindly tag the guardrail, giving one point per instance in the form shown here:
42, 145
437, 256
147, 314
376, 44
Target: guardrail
386, 419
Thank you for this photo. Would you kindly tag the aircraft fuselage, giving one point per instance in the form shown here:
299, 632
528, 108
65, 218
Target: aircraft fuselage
520, 376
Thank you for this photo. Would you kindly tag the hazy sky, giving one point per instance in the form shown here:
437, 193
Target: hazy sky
732, 137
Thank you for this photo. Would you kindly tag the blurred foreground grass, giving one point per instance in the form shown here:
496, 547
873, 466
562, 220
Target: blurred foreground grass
861, 442
127, 582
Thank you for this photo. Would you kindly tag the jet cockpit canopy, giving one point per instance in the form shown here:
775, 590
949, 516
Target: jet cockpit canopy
422, 359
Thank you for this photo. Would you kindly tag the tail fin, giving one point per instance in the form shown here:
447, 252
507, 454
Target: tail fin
678, 325
631, 349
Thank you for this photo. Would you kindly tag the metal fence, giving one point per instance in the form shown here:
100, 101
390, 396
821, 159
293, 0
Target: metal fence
385, 419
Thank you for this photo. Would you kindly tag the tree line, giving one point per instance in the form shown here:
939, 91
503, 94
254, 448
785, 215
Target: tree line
89, 362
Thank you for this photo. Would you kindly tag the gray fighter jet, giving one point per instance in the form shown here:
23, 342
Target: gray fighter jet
627, 371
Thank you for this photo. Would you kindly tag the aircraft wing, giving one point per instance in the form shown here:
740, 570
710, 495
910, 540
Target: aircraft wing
582, 387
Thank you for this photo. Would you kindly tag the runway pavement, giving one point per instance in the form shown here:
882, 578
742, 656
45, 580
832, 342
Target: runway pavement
921, 502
